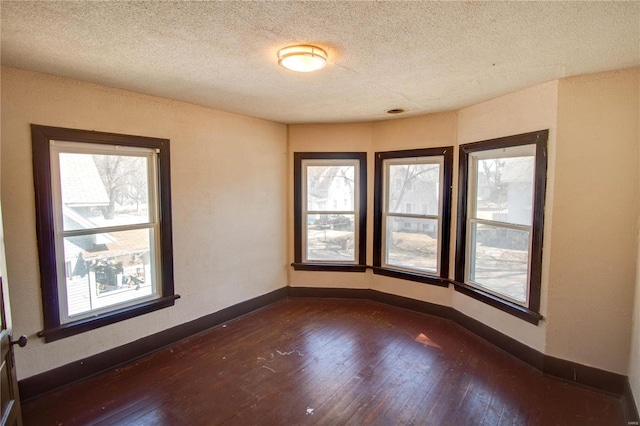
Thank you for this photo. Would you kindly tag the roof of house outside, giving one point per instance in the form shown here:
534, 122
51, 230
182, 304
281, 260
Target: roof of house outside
81, 182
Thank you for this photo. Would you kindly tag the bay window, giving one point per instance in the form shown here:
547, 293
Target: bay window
500, 222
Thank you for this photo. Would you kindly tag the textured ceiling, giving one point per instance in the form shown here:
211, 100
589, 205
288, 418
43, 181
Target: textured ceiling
420, 56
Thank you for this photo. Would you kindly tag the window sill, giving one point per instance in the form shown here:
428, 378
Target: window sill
405, 275
328, 267
501, 304
87, 324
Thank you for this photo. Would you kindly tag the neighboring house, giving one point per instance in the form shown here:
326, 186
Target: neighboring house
417, 195
331, 190
507, 197
517, 175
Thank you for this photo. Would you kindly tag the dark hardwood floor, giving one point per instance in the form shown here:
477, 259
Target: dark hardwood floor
328, 362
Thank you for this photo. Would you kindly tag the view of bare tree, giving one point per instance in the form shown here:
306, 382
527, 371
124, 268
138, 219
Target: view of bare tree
492, 170
124, 179
409, 175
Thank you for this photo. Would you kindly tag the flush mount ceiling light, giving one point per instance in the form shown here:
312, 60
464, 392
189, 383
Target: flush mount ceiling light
302, 58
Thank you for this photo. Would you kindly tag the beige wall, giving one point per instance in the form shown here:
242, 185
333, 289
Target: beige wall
228, 197
593, 244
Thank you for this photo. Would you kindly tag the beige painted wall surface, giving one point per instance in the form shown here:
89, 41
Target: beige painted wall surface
425, 131
519, 112
595, 220
228, 198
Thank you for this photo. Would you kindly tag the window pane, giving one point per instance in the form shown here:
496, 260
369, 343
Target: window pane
103, 190
330, 237
330, 188
108, 269
505, 189
499, 260
412, 243
414, 185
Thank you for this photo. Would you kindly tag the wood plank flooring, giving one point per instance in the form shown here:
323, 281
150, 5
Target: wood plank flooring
327, 362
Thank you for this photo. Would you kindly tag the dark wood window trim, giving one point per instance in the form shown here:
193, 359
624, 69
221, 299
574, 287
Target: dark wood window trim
328, 267
411, 276
360, 265
41, 136
521, 312
442, 279
539, 139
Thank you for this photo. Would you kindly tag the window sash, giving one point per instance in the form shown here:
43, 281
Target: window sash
414, 216
388, 252
154, 279
64, 147
153, 224
473, 220
387, 184
528, 150
306, 212
471, 264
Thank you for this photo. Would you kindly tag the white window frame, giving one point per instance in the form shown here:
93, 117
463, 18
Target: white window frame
60, 147
305, 163
386, 165
528, 150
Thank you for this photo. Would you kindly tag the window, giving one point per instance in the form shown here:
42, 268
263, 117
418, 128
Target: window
410, 242
330, 235
103, 212
500, 222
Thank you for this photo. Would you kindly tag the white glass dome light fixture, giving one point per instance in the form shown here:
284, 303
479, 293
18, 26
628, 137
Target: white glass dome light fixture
302, 58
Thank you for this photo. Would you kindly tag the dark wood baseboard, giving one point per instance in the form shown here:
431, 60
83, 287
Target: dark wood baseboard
35, 386
508, 344
329, 293
629, 406
605, 381
612, 383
